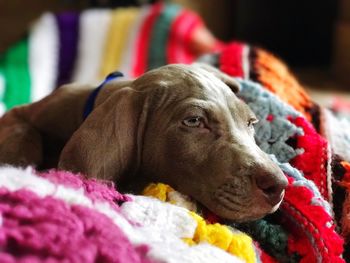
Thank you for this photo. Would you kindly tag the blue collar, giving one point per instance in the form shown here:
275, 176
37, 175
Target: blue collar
89, 105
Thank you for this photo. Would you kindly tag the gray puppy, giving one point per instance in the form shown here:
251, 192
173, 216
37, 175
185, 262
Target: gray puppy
179, 124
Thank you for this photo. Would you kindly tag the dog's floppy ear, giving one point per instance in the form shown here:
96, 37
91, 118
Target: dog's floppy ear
107, 144
228, 80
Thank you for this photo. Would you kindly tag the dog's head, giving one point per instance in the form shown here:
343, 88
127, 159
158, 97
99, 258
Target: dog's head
182, 125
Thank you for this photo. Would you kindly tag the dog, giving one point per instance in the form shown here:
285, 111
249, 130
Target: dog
179, 124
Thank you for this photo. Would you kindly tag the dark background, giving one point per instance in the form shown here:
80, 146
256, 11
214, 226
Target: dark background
299, 31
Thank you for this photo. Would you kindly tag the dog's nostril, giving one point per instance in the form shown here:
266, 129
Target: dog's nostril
270, 190
268, 187
271, 187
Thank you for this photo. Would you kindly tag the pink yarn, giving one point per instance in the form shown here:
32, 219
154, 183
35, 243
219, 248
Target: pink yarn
95, 190
36, 229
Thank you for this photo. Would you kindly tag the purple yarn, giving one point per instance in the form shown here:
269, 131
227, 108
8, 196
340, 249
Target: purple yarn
68, 26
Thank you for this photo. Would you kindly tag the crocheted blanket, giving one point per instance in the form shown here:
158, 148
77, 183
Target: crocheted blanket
87, 46
316, 145
51, 215
59, 216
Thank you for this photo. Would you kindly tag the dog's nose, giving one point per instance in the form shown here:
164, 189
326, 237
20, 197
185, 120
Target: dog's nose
272, 185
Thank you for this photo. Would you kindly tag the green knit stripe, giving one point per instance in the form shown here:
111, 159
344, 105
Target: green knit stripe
15, 69
157, 55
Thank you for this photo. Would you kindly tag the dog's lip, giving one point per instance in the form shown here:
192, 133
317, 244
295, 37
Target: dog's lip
241, 214
264, 206
245, 217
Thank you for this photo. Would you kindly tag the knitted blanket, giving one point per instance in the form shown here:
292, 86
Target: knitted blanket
60, 217
318, 148
87, 46
42, 219
133, 228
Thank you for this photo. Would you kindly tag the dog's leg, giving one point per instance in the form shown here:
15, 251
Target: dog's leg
35, 134
20, 142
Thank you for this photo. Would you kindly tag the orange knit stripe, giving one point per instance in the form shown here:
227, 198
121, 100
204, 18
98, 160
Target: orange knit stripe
276, 77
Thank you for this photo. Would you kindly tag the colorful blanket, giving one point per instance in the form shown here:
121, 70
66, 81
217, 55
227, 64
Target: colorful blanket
87, 46
303, 229
320, 147
60, 217
310, 144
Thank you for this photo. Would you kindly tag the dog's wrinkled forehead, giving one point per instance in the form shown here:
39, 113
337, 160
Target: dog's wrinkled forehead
190, 79
209, 82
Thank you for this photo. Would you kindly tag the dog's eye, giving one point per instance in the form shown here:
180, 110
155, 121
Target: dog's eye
251, 122
194, 122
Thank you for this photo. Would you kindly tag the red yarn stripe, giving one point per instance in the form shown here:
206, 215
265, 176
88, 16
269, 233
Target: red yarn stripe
181, 31
231, 60
143, 40
266, 258
313, 220
313, 162
194, 23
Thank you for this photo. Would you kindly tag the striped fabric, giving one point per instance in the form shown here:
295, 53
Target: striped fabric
87, 46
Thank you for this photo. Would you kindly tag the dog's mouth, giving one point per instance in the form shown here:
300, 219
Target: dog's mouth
240, 207
243, 214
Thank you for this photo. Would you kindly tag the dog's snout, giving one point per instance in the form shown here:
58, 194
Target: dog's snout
272, 184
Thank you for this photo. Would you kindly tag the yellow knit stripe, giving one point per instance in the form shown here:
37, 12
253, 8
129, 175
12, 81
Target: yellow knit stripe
119, 31
159, 191
235, 243
130, 17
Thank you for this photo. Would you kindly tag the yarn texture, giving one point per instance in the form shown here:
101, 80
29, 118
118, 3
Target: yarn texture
310, 144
